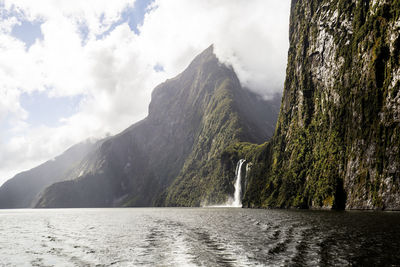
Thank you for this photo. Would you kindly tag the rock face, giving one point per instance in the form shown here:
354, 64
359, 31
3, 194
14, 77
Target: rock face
170, 157
337, 139
22, 190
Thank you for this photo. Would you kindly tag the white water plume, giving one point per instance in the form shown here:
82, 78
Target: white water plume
237, 197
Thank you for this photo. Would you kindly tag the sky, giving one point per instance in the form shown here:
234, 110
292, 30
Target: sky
72, 70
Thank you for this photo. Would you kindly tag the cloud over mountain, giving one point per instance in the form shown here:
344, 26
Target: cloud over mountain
90, 50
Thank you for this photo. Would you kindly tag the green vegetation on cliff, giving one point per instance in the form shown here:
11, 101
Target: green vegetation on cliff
229, 117
337, 139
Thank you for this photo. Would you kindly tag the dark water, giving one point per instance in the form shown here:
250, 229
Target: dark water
197, 237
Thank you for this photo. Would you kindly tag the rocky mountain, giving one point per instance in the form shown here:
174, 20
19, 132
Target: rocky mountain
337, 139
22, 190
169, 158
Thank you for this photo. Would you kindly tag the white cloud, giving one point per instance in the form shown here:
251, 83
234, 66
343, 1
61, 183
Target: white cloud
97, 15
250, 35
114, 73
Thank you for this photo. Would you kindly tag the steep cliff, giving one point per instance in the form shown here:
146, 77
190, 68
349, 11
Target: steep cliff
337, 139
169, 158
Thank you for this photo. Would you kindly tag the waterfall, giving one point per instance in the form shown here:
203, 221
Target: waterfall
237, 198
236, 202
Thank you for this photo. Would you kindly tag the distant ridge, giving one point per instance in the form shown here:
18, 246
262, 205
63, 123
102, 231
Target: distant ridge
22, 190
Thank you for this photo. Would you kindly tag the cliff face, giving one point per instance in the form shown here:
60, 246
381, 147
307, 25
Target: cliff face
337, 139
168, 158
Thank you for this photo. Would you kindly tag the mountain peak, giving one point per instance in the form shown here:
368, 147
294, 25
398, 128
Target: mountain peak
208, 51
207, 55
192, 118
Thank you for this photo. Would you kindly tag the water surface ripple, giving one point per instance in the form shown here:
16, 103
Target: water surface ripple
197, 237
